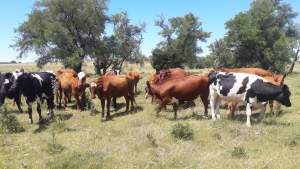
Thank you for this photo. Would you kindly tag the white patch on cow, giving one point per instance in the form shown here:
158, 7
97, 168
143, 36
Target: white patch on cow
50, 71
6, 81
81, 75
93, 84
17, 73
146, 95
118, 72
174, 100
38, 77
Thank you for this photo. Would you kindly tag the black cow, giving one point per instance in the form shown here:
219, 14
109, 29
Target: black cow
242, 87
36, 87
6, 80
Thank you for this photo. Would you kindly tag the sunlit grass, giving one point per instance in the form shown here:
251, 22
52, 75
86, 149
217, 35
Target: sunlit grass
139, 139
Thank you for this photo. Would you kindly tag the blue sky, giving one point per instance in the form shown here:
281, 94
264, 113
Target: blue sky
212, 13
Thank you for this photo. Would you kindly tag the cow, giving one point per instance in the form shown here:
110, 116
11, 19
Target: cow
135, 75
171, 73
75, 84
58, 73
242, 87
113, 72
186, 88
6, 80
266, 74
36, 87
20, 93
107, 87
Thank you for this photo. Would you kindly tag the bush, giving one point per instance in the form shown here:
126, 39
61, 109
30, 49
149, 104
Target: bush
239, 152
182, 131
8, 122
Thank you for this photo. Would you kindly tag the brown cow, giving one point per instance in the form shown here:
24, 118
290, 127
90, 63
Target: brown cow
58, 73
135, 75
107, 87
73, 83
186, 88
172, 73
266, 74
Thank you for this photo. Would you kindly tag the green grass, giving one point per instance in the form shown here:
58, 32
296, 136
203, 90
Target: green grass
139, 139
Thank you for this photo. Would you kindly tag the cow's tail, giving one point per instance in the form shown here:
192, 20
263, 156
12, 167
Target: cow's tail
55, 87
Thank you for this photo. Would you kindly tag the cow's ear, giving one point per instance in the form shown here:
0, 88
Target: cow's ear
87, 75
75, 75
284, 75
285, 87
86, 85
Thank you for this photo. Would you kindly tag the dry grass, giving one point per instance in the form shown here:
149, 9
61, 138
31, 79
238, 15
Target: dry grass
139, 139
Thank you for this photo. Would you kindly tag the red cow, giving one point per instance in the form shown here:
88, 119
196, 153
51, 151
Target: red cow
172, 73
135, 75
277, 80
60, 72
73, 83
186, 88
107, 87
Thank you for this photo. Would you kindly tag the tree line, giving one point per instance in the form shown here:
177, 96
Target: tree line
71, 31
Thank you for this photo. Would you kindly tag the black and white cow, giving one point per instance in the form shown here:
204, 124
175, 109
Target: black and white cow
6, 80
36, 87
241, 87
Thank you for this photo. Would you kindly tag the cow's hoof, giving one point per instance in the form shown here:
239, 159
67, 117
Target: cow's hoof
30, 121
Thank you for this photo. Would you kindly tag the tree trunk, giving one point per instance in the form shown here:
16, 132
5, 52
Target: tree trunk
294, 61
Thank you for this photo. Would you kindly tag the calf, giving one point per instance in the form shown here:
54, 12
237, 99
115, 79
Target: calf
135, 75
6, 80
241, 87
107, 87
186, 88
36, 87
73, 83
58, 73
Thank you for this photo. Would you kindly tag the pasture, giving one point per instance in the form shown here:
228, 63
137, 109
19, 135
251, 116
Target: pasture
139, 139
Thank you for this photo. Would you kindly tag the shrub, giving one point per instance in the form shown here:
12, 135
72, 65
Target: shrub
182, 131
152, 140
53, 146
8, 122
239, 152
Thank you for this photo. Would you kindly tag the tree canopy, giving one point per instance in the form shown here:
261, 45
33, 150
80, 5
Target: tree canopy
180, 46
259, 37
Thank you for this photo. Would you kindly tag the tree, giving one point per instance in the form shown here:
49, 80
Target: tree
181, 38
123, 45
258, 37
62, 31
295, 44
222, 54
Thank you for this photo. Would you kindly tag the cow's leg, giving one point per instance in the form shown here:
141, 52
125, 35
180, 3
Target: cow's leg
127, 101
60, 97
248, 113
107, 107
18, 101
115, 102
29, 108
271, 104
50, 105
162, 104
39, 110
212, 105
262, 112
205, 103
69, 98
218, 102
77, 102
65, 98
175, 110
102, 106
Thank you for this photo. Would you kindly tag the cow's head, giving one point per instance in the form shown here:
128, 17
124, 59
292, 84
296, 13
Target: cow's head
284, 97
94, 86
6, 83
148, 90
17, 73
82, 78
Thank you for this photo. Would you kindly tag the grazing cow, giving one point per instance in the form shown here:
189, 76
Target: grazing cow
73, 83
6, 80
36, 87
135, 75
107, 87
58, 73
186, 88
266, 74
172, 73
249, 88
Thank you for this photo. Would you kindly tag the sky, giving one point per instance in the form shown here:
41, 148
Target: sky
212, 13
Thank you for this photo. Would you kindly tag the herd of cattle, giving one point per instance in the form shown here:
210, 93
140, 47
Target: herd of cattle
253, 86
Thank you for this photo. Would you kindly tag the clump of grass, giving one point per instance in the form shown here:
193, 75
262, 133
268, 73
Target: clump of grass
151, 140
53, 146
89, 105
294, 141
8, 122
239, 152
182, 131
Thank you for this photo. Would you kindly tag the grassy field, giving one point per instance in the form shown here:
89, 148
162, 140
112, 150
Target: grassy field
139, 139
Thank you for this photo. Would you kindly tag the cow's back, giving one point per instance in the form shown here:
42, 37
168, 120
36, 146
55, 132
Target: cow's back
67, 81
256, 71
